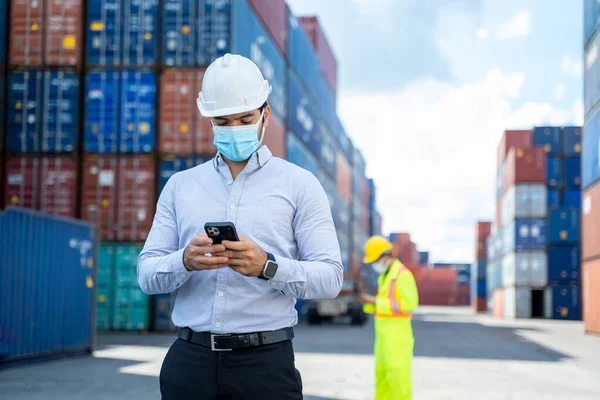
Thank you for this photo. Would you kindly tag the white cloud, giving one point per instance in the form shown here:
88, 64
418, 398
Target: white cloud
572, 67
519, 25
560, 89
482, 34
432, 150
373, 6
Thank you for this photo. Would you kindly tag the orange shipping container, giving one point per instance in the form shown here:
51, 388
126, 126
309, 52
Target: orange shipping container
344, 177
590, 243
591, 296
479, 304
482, 230
524, 165
46, 33
183, 131
275, 136
498, 303
512, 138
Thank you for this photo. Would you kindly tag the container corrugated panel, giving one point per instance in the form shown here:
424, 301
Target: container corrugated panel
170, 166
329, 149
591, 296
344, 177
345, 248
524, 166
479, 269
302, 117
162, 308
195, 32
524, 201
99, 193
104, 297
572, 199
554, 199
497, 303
563, 302
102, 107
529, 269
325, 100
512, 138
494, 276
301, 54
331, 191
250, 39
297, 153
573, 173
517, 303
479, 287
42, 111
358, 163
47, 308
183, 130
325, 55
564, 264
46, 33
341, 214
591, 76
554, 176
563, 226
275, 137
548, 138
491, 248
571, 140
48, 184
590, 243
524, 234
131, 305
590, 153
343, 140
591, 18
274, 16
3, 38
122, 33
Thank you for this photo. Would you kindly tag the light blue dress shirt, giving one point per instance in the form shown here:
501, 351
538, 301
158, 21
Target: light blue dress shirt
280, 206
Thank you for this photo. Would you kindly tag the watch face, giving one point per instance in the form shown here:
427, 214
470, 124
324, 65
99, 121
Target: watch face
271, 269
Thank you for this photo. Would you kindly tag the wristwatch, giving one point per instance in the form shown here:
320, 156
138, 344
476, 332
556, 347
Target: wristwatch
270, 268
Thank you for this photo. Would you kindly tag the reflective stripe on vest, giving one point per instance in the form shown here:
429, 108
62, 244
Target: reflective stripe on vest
392, 303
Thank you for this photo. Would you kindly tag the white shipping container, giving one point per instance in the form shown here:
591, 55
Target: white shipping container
517, 303
528, 268
524, 201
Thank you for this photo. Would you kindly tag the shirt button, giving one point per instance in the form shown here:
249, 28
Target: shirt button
218, 324
220, 294
229, 182
232, 206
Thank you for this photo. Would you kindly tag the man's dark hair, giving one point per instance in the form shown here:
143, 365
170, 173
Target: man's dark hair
261, 108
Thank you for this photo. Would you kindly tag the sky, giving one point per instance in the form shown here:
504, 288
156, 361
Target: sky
426, 89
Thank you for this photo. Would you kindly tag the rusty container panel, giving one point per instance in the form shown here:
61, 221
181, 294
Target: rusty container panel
514, 138
344, 177
324, 52
463, 295
136, 198
524, 166
183, 131
591, 296
22, 182
483, 229
46, 33
275, 136
498, 303
99, 193
479, 304
590, 241
273, 14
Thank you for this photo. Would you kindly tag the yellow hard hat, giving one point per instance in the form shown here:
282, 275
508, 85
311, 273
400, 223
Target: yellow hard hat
375, 247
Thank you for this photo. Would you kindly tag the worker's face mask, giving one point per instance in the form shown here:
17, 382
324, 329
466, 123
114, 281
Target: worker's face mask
238, 143
379, 267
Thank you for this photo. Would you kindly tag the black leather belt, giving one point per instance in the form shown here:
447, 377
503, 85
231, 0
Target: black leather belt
218, 342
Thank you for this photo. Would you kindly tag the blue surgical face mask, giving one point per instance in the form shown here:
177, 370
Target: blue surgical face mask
238, 143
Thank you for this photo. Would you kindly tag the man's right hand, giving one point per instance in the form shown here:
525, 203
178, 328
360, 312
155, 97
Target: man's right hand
195, 258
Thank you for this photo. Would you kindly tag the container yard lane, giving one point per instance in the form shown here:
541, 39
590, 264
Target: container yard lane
457, 356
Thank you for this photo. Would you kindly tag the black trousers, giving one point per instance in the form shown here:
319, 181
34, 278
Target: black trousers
191, 371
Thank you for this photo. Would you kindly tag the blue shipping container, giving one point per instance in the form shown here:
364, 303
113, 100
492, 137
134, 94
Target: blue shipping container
329, 150
122, 33
301, 54
162, 307
479, 269
554, 199
548, 137
302, 117
573, 173
343, 140
341, 214
42, 111
564, 226
572, 199
554, 176
423, 258
591, 77
358, 163
120, 109
479, 287
169, 167
298, 154
325, 100
47, 308
564, 264
590, 149
571, 141
563, 302
591, 18
524, 234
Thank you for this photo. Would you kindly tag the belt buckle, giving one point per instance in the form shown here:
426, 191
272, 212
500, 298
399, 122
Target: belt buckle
212, 342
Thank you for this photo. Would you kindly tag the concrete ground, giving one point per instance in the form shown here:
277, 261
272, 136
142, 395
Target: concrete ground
457, 356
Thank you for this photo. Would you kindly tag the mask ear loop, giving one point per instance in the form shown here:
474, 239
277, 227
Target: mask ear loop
262, 134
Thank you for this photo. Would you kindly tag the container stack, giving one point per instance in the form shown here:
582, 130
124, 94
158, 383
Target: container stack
463, 281
360, 212
483, 230
590, 246
375, 220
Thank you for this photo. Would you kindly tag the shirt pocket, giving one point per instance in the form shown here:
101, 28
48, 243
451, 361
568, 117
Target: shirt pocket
273, 219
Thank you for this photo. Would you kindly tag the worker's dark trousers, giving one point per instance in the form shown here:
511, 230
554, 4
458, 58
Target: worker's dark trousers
194, 372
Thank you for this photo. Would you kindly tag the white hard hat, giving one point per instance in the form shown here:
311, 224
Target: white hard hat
232, 84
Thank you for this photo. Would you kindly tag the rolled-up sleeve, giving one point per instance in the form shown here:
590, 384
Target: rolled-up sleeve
318, 274
160, 264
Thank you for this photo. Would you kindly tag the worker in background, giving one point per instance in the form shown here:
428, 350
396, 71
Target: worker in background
393, 305
235, 300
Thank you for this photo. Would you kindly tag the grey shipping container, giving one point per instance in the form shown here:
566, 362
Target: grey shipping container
528, 268
47, 281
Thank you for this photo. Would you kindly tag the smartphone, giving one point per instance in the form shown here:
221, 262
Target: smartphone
219, 231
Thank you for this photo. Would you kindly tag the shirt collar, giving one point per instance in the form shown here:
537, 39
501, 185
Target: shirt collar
259, 158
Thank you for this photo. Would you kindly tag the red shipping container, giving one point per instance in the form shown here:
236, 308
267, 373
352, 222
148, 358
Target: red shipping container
463, 295
481, 250
46, 32
324, 53
364, 219
498, 303
275, 136
136, 198
512, 138
273, 13
479, 304
524, 166
591, 296
344, 177
99, 193
365, 193
47, 184
499, 213
590, 241
483, 229
436, 287
183, 131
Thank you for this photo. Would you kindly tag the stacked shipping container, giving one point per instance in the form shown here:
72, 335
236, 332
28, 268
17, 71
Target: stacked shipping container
483, 231
590, 171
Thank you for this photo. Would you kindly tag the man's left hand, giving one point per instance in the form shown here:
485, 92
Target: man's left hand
245, 257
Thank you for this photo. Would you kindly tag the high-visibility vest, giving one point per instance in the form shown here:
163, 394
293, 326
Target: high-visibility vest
397, 296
